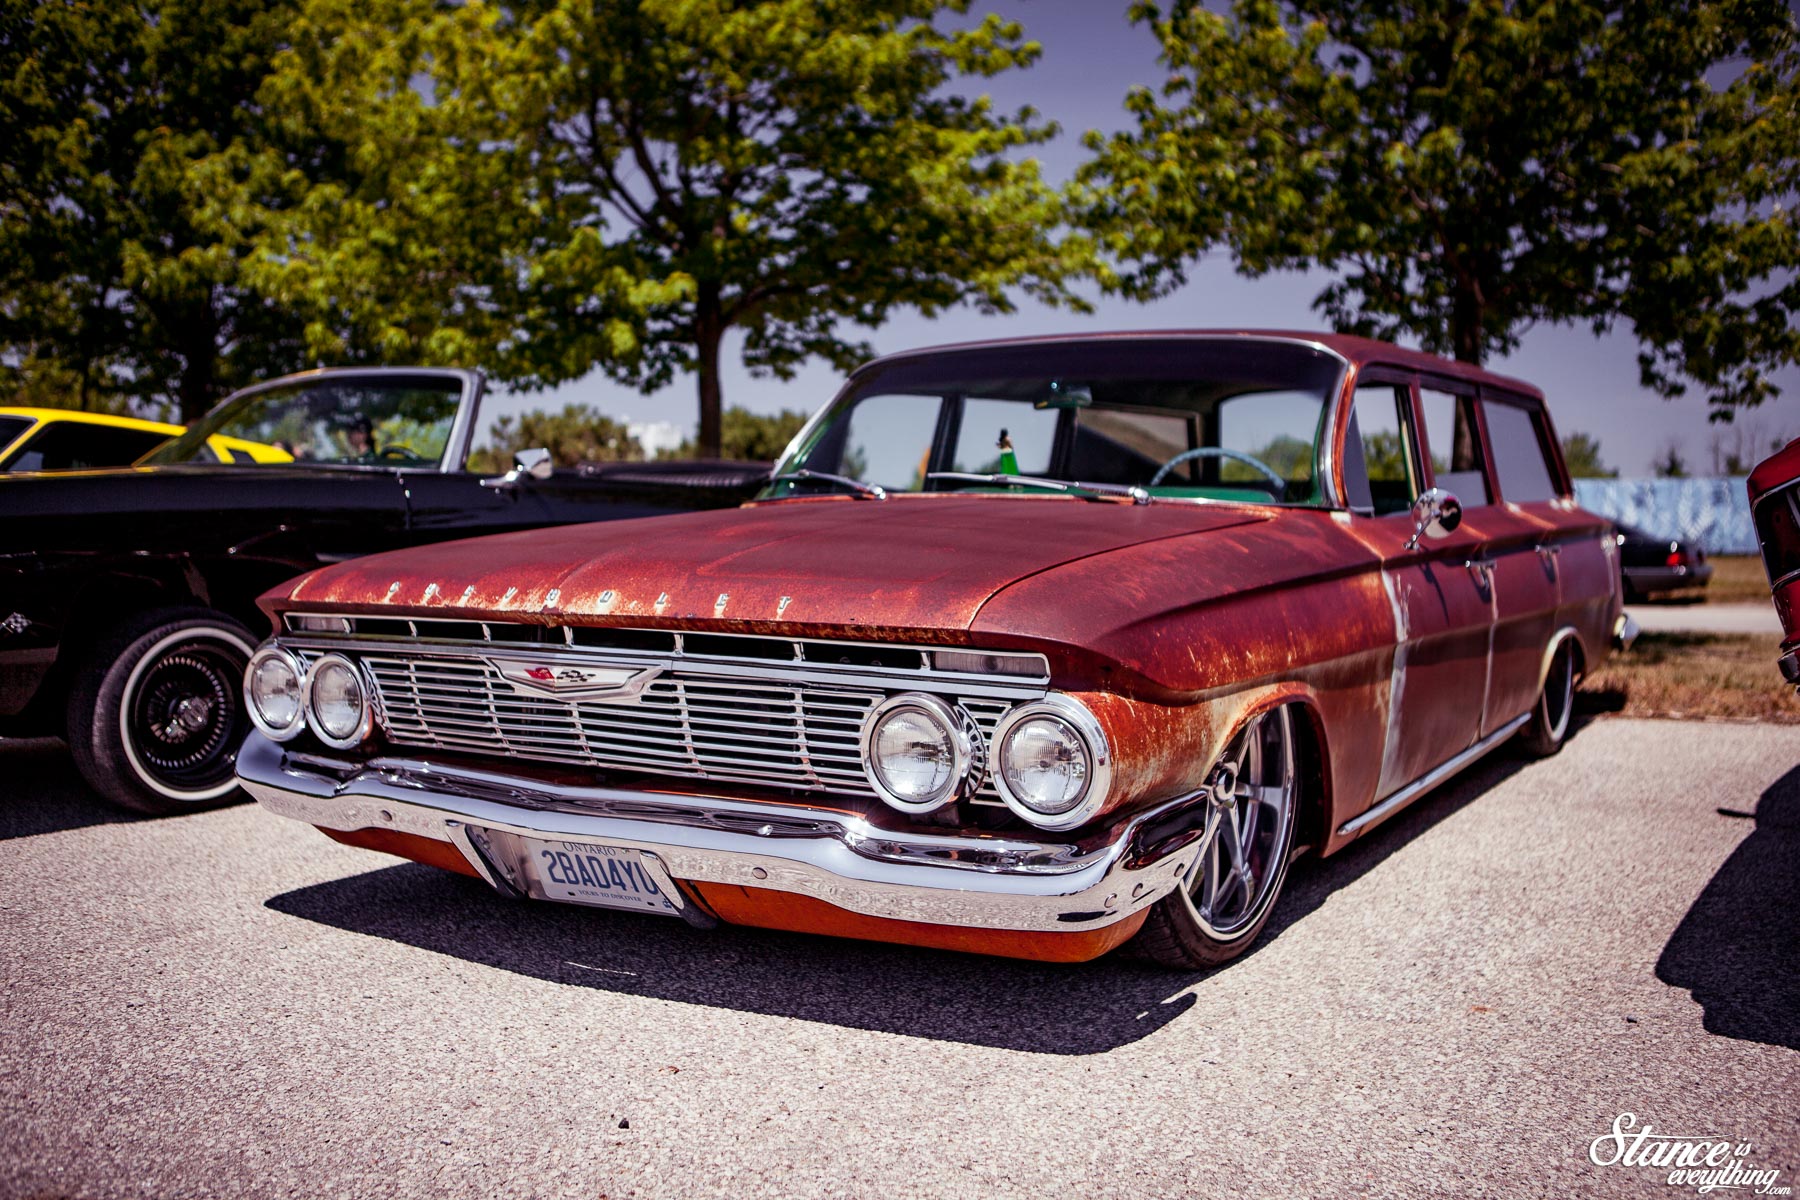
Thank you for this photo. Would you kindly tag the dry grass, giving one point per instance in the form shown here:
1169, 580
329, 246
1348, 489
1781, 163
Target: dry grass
1736, 578
1695, 676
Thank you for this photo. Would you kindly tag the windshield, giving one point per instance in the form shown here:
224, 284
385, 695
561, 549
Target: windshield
352, 420
1193, 418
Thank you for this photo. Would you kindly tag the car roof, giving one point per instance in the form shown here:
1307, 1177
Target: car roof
1356, 351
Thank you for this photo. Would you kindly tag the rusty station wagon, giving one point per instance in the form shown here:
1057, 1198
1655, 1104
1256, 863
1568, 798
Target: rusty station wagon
1031, 648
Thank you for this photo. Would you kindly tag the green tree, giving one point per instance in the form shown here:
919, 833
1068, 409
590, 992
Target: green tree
1581, 451
748, 436
1670, 463
117, 283
671, 170
1470, 168
579, 433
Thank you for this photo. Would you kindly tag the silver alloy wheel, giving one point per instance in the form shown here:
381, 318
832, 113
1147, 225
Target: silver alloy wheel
1240, 862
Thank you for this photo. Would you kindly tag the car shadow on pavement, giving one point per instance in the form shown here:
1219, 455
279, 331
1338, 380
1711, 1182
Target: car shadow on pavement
1089, 1008
44, 793
1738, 948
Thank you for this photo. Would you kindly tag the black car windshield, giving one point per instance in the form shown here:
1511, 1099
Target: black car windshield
1226, 418
356, 420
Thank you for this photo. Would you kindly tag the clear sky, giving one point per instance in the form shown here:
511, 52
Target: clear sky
1091, 57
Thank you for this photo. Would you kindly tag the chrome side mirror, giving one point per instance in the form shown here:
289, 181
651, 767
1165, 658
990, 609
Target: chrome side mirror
534, 463
1435, 513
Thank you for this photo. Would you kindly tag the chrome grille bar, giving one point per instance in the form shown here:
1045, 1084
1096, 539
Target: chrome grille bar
767, 725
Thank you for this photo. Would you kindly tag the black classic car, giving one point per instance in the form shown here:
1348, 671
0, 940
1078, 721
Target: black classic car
1659, 566
124, 593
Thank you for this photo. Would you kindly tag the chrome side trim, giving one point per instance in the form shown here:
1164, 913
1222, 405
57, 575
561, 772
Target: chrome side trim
988, 881
1432, 778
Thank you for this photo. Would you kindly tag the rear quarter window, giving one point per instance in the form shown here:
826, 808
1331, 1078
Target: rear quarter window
1519, 461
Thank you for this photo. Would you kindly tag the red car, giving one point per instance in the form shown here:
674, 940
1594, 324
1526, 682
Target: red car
1775, 508
1031, 648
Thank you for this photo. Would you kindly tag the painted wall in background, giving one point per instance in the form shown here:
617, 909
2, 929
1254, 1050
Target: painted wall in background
1712, 512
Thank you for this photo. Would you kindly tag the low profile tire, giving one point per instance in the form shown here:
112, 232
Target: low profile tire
156, 713
1227, 897
1544, 734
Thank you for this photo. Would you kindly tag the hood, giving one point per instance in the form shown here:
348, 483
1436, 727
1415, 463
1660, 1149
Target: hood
909, 562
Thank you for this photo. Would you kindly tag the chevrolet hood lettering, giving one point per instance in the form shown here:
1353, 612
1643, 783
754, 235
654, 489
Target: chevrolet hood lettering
918, 562
567, 681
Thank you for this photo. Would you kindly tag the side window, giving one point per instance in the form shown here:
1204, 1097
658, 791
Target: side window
76, 445
1379, 476
1519, 462
1029, 432
1454, 445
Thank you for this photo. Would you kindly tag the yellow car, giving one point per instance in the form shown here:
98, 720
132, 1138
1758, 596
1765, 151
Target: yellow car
64, 439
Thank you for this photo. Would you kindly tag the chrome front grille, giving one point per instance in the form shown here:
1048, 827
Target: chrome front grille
705, 719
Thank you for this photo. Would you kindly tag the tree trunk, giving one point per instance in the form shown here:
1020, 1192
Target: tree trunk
198, 387
709, 331
1468, 323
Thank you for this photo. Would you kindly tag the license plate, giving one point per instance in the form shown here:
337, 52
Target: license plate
603, 876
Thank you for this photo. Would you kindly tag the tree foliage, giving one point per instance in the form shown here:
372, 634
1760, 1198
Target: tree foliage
1581, 452
118, 281
579, 433
645, 175
1670, 462
748, 436
1469, 168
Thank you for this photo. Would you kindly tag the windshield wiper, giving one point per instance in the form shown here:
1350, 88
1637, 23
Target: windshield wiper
864, 491
1090, 491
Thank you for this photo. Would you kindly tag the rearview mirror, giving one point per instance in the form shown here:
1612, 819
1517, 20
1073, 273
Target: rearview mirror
1435, 513
534, 463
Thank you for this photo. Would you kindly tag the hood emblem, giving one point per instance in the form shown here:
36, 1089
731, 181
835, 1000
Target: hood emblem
605, 684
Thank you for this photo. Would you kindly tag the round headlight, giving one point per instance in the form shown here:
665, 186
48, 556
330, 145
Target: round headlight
274, 687
1051, 764
337, 707
917, 752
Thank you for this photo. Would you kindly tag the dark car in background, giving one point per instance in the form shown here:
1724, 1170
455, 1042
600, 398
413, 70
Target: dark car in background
125, 593
1664, 567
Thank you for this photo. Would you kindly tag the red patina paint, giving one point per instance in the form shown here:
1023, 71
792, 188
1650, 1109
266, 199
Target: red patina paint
1174, 622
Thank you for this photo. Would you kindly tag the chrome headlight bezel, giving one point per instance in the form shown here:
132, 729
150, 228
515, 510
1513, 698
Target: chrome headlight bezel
365, 724
959, 732
270, 730
1086, 727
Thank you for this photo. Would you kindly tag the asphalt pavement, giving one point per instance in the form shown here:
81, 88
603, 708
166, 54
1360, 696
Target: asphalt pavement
1752, 618
227, 1004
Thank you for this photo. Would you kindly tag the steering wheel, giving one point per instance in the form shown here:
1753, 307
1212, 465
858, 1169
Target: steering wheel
398, 454
1277, 485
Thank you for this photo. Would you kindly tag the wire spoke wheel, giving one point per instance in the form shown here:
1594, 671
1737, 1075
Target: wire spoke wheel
1243, 855
183, 716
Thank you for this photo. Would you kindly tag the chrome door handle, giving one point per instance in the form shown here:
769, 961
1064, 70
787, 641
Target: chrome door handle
1482, 570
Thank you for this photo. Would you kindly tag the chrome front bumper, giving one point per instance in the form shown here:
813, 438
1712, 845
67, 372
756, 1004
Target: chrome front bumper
979, 880
1625, 631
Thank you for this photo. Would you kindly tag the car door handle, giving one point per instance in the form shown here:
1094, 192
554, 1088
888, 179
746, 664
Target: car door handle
1482, 570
